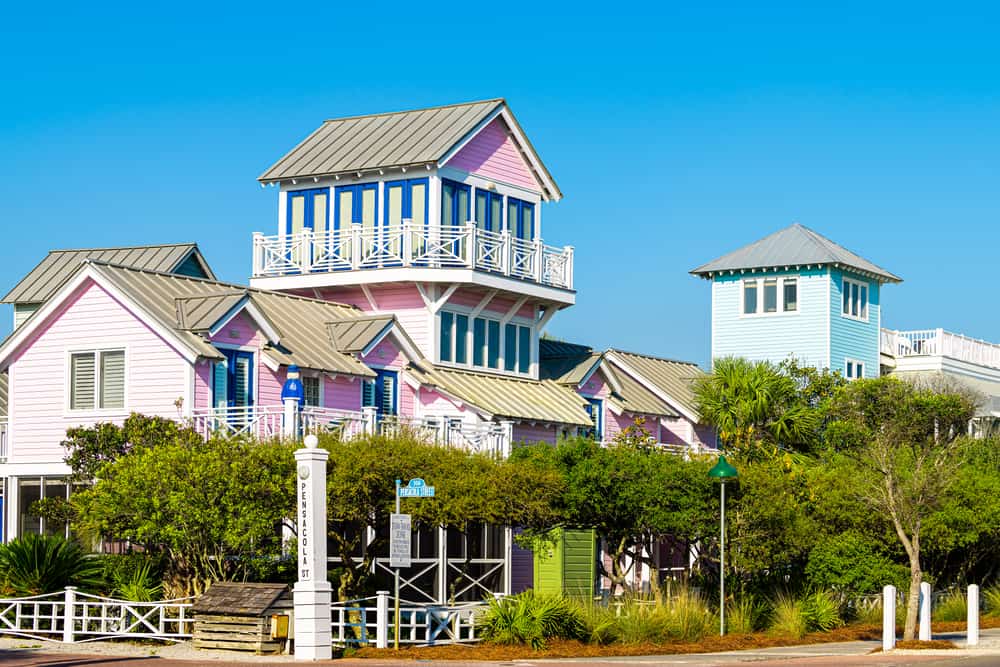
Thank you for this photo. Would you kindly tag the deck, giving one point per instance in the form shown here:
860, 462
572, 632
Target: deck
939, 343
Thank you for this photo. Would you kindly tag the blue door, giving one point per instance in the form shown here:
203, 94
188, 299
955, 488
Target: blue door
406, 200
455, 213
521, 219
232, 383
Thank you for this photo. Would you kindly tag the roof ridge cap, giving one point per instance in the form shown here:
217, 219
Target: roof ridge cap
193, 244
653, 356
498, 100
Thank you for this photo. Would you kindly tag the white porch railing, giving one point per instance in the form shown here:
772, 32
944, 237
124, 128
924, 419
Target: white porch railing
370, 621
938, 342
3, 439
74, 617
406, 245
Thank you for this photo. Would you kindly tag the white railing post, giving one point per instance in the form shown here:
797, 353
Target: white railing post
407, 246
888, 618
305, 251
382, 620
506, 437
568, 267
355, 245
972, 622
258, 254
470, 245
69, 623
539, 259
369, 416
505, 252
925, 612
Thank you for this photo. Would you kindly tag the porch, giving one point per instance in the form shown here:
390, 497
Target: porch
403, 246
939, 343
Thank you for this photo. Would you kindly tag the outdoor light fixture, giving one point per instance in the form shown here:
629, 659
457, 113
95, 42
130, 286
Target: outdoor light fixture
722, 472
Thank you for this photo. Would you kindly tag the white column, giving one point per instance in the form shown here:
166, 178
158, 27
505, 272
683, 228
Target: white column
369, 416
888, 618
508, 555
382, 619
68, 621
443, 565
972, 624
507, 439
290, 419
925, 612
312, 592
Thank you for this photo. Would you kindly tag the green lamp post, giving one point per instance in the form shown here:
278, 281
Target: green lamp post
722, 472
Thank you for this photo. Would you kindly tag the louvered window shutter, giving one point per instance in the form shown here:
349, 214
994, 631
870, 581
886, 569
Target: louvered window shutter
388, 406
81, 392
113, 379
368, 394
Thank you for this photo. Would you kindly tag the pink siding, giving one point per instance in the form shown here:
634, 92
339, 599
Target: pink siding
499, 305
342, 393
385, 355
156, 374
535, 433
203, 385
403, 301
492, 154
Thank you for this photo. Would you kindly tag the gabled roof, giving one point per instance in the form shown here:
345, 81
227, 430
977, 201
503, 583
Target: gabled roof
357, 334
396, 140
672, 381
187, 308
506, 397
571, 364
59, 265
793, 246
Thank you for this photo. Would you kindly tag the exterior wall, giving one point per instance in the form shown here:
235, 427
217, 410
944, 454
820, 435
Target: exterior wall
156, 375
774, 337
342, 393
493, 155
403, 301
851, 338
387, 355
535, 433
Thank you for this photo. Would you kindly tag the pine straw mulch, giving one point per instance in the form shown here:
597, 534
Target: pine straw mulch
575, 649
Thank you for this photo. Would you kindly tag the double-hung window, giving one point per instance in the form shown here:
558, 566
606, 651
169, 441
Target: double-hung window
97, 380
311, 391
496, 346
855, 299
770, 295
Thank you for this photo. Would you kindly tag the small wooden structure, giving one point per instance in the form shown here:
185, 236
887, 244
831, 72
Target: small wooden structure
243, 617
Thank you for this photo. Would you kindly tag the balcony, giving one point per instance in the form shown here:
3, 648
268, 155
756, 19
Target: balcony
406, 246
939, 343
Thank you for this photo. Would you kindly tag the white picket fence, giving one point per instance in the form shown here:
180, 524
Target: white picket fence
371, 621
74, 617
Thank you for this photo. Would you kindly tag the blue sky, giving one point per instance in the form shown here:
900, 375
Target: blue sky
677, 133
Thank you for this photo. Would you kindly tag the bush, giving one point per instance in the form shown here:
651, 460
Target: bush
787, 617
527, 618
745, 616
821, 611
850, 563
37, 564
683, 617
952, 606
991, 598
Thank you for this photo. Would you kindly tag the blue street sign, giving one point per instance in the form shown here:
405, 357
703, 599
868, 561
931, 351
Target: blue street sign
416, 488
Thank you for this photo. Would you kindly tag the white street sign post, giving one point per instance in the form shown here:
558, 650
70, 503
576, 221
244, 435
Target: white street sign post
400, 533
312, 592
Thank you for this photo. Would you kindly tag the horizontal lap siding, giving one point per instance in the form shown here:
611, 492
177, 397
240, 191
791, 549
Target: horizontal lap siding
243, 332
850, 338
535, 433
774, 337
203, 385
156, 374
342, 393
492, 154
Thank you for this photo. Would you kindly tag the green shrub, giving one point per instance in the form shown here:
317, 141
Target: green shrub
685, 616
745, 615
37, 564
851, 563
787, 616
952, 606
821, 611
991, 599
531, 619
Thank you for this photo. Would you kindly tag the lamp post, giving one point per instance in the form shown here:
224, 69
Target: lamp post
721, 472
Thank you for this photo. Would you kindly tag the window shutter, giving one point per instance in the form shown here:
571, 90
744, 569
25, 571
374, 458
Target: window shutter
219, 392
113, 379
388, 406
368, 394
82, 380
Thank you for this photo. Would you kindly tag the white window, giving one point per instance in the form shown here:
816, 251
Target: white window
855, 299
97, 380
855, 369
767, 296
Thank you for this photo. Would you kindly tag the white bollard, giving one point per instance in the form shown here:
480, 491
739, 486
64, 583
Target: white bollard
382, 620
925, 612
312, 592
972, 622
69, 618
888, 618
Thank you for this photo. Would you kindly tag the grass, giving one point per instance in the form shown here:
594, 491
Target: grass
991, 596
953, 606
787, 617
745, 615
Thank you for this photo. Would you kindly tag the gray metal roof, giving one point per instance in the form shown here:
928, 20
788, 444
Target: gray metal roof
673, 378
355, 335
791, 247
3, 394
49, 275
190, 306
515, 398
385, 140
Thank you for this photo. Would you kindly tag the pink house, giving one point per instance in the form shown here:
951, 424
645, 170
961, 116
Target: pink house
408, 279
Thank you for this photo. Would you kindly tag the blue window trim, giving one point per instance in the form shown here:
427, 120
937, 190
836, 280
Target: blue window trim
459, 187
380, 375
489, 224
308, 217
356, 206
231, 357
516, 226
407, 185
596, 404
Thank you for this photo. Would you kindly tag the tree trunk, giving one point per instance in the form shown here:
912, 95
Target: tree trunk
913, 599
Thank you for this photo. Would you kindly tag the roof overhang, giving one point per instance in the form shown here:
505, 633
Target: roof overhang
247, 305
623, 366
751, 270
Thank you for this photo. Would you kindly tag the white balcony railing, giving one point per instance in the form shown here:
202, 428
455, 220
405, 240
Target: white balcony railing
406, 245
941, 343
3, 439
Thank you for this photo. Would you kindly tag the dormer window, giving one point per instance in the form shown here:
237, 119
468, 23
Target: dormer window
769, 296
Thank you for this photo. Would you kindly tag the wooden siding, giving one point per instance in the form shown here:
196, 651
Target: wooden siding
851, 338
403, 301
492, 154
772, 337
22, 311
156, 374
532, 433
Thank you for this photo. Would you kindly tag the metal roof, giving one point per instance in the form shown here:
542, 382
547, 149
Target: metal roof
673, 378
514, 398
3, 394
355, 335
48, 276
189, 306
569, 364
791, 247
385, 140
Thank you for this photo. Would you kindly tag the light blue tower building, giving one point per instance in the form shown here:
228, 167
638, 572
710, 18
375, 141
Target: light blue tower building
798, 294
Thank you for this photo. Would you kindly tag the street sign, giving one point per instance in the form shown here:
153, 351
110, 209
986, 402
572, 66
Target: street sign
399, 540
416, 488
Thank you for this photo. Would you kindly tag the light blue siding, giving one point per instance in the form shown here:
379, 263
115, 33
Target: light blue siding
775, 336
851, 338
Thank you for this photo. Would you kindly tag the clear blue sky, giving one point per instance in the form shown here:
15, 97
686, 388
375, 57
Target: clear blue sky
676, 134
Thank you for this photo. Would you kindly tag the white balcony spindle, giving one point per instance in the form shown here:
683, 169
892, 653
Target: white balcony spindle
407, 246
470, 245
568, 267
505, 250
356, 245
258, 254
539, 252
